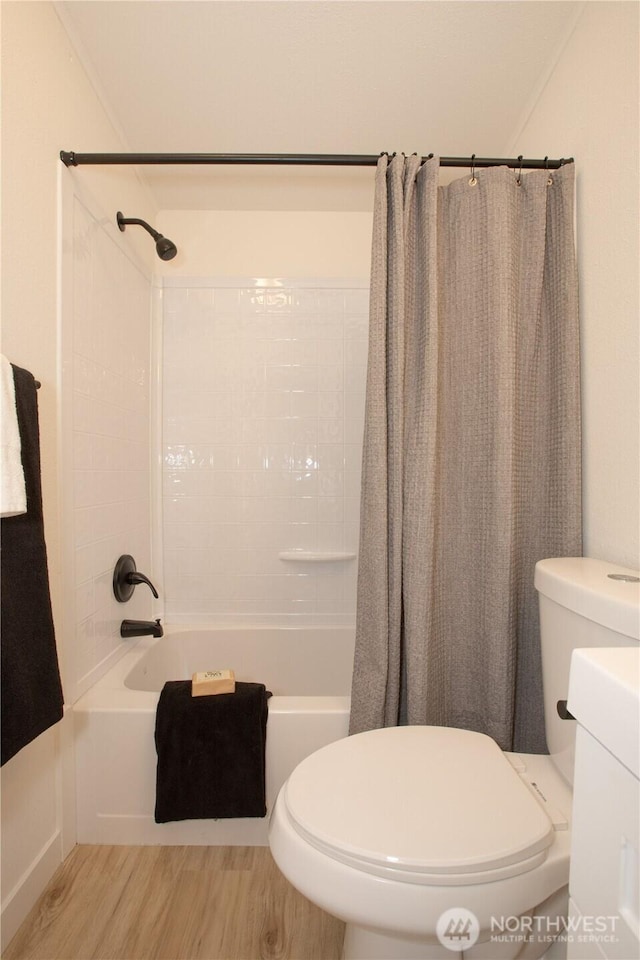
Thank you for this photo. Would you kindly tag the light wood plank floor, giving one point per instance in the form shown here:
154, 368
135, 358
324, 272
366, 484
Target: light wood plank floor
174, 903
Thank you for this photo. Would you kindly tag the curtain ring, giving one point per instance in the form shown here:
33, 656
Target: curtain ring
519, 177
472, 179
549, 177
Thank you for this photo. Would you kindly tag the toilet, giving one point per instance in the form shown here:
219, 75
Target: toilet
431, 841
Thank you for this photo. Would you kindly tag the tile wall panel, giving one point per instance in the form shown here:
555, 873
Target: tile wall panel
108, 359
263, 406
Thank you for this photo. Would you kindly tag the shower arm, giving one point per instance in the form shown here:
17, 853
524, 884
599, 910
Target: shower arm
126, 221
165, 248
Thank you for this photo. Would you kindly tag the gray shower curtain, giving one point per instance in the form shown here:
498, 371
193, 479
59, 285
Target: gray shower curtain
471, 463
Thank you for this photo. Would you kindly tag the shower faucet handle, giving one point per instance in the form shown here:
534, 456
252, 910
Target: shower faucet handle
126, 578
135, 577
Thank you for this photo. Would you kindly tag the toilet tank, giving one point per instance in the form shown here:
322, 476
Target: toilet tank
580, 606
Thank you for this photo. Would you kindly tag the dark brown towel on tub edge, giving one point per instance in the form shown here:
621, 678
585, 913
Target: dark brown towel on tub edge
211, 753
31, 690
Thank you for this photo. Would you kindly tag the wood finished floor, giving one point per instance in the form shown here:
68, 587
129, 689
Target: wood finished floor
174, 903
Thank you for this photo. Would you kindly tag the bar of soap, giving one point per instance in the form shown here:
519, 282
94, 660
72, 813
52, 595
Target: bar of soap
212, 681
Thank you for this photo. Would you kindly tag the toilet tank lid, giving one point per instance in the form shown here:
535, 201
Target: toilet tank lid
583, 585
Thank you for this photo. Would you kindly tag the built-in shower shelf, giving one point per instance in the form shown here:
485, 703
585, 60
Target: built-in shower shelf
316, 556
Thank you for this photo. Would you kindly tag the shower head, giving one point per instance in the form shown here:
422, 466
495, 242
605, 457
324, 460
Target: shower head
165, 249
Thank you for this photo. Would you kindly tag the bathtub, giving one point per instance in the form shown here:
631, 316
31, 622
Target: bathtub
307, 669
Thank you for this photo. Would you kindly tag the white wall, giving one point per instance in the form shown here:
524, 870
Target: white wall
589, 110
268, 243
48, 104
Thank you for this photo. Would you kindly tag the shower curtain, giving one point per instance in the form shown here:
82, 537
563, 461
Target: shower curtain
471, 463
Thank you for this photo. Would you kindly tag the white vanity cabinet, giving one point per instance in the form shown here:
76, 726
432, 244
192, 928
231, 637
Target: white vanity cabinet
604, 697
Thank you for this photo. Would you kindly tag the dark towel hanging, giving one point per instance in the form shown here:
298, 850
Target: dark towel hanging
211, 753
32, 698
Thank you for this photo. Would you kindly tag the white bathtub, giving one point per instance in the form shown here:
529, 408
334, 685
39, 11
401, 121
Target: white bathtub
308, 670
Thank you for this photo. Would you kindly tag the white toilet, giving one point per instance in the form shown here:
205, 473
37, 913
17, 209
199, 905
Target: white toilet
391, 829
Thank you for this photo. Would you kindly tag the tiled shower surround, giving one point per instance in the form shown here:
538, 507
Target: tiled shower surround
106, 438
263, 404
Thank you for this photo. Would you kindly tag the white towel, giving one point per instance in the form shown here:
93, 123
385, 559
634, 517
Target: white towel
13, 494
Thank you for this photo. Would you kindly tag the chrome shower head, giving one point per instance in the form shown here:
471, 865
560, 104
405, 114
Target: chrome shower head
165, 248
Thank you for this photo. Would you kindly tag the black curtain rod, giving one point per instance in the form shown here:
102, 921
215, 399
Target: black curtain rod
72, 159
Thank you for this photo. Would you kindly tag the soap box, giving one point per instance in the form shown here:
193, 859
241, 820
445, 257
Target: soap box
212, 681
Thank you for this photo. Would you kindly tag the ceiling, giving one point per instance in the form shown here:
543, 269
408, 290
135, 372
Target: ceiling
453, 77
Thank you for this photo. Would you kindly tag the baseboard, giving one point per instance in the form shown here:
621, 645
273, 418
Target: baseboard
130, 830
21, 899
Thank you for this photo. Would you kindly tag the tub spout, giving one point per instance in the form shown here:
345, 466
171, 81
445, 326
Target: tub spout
141, 628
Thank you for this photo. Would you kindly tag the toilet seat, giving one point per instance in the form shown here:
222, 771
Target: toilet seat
463, 816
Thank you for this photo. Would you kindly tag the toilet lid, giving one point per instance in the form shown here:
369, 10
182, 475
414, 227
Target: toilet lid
422, 804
